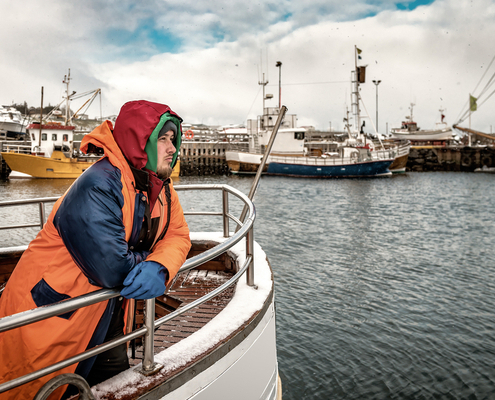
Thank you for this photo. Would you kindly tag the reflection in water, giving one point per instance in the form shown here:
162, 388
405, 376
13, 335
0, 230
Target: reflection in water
26, 188
385, 288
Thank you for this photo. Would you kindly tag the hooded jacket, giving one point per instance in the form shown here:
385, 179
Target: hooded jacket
92, 239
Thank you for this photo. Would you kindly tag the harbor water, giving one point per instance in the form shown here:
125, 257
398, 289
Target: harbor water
385, 288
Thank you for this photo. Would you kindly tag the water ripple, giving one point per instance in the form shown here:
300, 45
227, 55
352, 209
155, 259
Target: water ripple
385, 288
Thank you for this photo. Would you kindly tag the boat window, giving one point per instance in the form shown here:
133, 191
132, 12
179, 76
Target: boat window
54, 137
44, 136
66, 138
299, 135
32, 135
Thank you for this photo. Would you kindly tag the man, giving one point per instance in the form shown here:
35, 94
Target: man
120, 223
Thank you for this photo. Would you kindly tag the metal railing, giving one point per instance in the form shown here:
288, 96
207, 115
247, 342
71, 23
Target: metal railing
333, 160
42, 210
16, 147
149, 325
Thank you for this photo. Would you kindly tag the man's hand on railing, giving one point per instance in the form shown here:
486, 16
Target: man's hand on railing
145, 281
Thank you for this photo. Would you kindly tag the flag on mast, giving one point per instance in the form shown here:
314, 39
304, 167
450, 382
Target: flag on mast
359, 52
472, 103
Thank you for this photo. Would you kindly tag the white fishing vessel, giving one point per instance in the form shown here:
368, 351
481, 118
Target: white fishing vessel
291, 155
245, 158
12, 123
210, 336
410, 130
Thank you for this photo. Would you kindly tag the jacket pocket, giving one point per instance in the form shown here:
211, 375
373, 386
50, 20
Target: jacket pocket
43, 294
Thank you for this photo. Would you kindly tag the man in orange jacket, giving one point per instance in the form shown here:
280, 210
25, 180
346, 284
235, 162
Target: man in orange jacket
119, 224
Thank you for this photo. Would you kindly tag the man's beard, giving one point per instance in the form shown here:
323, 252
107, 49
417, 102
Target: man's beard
164, 172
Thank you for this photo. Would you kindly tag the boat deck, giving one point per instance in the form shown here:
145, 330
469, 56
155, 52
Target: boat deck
221, 341
186, 289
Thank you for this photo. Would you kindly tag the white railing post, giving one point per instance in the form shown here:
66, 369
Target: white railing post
250, 252
225, 210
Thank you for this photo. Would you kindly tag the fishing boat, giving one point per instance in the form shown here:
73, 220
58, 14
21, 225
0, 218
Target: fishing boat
54, 153
210, 336
54, 156
12, 123
402, 148
245, 157
292, 155
348, 162
410, 130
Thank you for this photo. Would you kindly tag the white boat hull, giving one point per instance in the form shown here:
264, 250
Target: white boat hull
243, 162
442, 134
233, 356
228, 378
11, 127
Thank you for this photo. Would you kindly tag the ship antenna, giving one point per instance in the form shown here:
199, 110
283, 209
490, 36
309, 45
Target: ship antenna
67, 81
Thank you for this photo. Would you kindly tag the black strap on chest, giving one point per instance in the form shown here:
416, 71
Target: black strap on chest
149, 227
168, 196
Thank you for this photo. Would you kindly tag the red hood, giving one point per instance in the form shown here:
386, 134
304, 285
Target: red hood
133, 127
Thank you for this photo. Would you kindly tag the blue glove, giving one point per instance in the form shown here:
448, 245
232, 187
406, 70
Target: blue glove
145, 281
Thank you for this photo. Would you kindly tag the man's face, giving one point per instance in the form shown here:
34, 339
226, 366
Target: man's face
165, 153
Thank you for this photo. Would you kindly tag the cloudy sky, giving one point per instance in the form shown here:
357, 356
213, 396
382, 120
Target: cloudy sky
206, 58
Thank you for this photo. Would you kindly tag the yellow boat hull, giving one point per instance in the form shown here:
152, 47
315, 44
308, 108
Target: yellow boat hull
57, 166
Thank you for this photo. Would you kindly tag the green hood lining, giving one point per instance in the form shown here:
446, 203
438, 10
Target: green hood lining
151, 144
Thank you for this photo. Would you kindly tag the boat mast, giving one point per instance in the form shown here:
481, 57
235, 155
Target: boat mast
355, 92
264, 83
66, 81
411, 118
41, 119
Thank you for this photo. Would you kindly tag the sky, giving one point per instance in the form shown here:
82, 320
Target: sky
206, 59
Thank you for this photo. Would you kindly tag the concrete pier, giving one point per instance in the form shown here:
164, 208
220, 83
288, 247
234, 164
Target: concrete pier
208, 157
203, 158
450, 158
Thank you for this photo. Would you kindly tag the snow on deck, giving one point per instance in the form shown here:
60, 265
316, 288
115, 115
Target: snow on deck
244, 304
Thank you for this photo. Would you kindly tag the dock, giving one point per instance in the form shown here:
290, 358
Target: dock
206, 156
203, 158
450, 158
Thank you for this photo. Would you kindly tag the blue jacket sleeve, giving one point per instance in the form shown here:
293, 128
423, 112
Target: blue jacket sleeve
90, 223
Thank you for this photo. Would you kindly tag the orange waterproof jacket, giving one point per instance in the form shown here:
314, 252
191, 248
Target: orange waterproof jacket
87, 243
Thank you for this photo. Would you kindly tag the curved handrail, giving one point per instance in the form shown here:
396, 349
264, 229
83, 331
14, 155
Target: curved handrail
222, 247
38, 314
41, 204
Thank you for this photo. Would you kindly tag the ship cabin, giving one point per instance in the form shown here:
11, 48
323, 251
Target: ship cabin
53, 137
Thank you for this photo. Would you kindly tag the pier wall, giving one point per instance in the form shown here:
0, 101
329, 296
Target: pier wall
208, 158
450, 158
203, 158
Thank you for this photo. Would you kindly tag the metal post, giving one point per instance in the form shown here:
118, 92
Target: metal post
225, 212
250, 252
42, 214
41, 119
149, 366
279, 65
268, 149
376, 84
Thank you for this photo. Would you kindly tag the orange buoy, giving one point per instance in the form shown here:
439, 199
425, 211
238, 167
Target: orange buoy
189, 134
